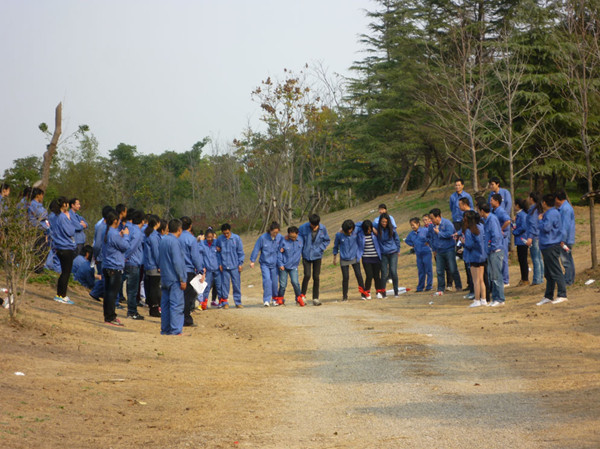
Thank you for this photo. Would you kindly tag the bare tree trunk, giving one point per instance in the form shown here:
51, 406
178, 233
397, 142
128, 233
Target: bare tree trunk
406, 179
590, 178
51, 149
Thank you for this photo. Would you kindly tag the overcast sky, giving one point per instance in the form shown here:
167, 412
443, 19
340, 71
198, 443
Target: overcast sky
155, 73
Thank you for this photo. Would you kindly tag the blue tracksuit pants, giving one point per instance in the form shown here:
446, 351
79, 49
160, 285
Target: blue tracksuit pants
425, 269
234, 277
171, 308
210, 277
270, 282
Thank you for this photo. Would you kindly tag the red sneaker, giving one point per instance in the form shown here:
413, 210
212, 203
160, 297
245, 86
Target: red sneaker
204, 305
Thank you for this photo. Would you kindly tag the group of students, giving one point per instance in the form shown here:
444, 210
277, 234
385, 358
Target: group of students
545, 226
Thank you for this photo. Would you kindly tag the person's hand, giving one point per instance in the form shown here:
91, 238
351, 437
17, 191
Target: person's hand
529, 242
436, 229
218, 249
203, 278
240, 268
282, 268
251, 265
125, 231
282, 250
334, 260
540, 216
83, 223
220, 267
182, 285
97, 276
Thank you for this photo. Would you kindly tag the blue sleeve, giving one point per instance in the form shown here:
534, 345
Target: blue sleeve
154, 248
410, 239
197, 257
134, 242
326, 240
397, 240
446, 230
257, 248
76, 219
178, 261
280, 254
240, 251
336, 244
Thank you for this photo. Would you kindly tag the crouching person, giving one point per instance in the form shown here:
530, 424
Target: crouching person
82, 269
173, 281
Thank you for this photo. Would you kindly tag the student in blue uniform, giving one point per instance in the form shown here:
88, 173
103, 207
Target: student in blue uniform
288, 259
82, 269
475, 254
75, 206
151, 270
504, 219
114, 247
495, 254
134, 258
442, 238
193, 266
316, 240
208, 249
268, 246
38, 217
389, 242
567, 217
346, 244
519, 232
418, 238
63, 234
231, 263
465, 205
455, 209
173, 280
495, 188
99, 230
551, 236
371, 258
382, 209
534, 210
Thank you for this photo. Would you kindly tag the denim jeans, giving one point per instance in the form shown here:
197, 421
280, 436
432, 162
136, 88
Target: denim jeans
98, 290
566, 257
443, 260
389, 269
495, 260
132, 275
283, 276
112, 284
553, 272
536, 261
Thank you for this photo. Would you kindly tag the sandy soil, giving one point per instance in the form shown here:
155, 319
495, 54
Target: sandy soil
413, 372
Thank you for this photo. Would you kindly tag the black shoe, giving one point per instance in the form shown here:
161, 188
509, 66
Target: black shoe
155, 314
190, 325
97, 299
136, 316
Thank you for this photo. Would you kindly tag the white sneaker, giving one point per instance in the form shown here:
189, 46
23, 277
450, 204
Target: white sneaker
506, 285
379, 296
449, 289
484, 302
368, 296
544, 301
559, 300
496, 304
266, 304
475, 303
469, 296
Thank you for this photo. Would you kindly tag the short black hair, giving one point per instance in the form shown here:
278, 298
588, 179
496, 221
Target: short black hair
225, 227
293, 230
347, 225
521, 203
87, 249
4, 186
497, 197
367, 225
495, 180
485, 207
73, 201
174, 225
462, 181
274, 225
186, 223
130, 213
137, 217
120, 208
436, 212
561, 195
479, 200
415, 220
36, 191
106, 210
549, 199
314, 219
62, 200
465, 200
382, 206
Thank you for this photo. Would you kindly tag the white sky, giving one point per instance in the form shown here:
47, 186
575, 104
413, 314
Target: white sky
159, 74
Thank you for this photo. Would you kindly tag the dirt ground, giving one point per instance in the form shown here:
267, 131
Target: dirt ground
414, 372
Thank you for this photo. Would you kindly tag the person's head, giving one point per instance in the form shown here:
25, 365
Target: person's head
292, 233
175, 227
415, 223
479, 200
382, 209
87, 252
496, 200
426, 220
459, 185
384, 225
560, 198
37, 194
314, 221
137, 217
494, 184
347, 227
186, 223
436, 216
367, 227
209, 234
520, 204
54, 206
153, 224
163, 228
64, 203
75, 204
130, 213
106, 210
4, 189
112, 219
26, 193
274, 229
226, 230
533, 198
121, 211
484, 210
548, 201
470, 221
463, 204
